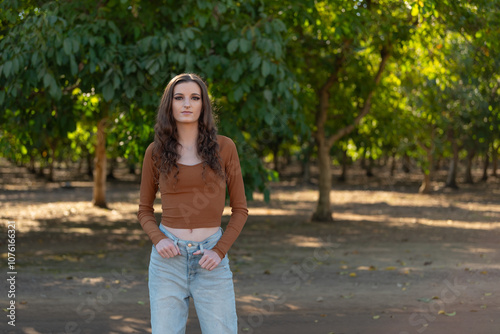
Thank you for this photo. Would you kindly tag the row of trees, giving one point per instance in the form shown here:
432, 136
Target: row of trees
366, 78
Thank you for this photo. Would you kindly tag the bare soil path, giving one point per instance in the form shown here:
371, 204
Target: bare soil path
393, 261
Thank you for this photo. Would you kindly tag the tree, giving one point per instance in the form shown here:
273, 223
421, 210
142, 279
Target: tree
66, 45
341, 51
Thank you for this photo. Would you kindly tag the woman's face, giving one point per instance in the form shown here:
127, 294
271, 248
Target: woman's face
187, 104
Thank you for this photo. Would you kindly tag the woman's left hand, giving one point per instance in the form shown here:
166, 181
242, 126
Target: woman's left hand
210, 259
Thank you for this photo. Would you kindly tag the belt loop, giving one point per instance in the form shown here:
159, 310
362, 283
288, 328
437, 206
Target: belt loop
201, 249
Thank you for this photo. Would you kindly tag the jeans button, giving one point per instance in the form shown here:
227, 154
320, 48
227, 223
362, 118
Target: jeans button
189, 245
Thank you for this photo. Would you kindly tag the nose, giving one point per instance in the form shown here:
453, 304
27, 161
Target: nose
187, 103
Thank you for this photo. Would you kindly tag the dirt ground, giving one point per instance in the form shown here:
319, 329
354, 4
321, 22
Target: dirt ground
393, 261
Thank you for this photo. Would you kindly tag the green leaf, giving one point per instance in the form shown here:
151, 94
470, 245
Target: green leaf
76, 45
235, 75
116, 81
269, 118
47, 80
232, 46
163, 44
277, 50
130, 92
265, 69
197, 43
267, 195
34, 58
68, 46
2, 96
6, 68
414, 10
154, 68
140, 77
255, 62
74, 66
189, 34
108, 92
268, 95
245, 45
54, 89
238, 94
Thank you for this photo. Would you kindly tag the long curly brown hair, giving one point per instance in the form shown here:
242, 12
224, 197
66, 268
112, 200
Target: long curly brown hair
166, 143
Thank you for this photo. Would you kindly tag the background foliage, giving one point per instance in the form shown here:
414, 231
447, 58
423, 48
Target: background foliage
66, 65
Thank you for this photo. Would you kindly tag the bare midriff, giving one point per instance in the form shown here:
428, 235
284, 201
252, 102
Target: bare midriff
193, 234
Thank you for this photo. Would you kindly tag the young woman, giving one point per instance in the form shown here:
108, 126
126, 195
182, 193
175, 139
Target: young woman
192, 166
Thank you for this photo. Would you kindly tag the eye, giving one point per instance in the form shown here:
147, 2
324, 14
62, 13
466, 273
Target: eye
196, 98
178, 98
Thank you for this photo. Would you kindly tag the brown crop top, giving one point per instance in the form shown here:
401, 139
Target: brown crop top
194, 201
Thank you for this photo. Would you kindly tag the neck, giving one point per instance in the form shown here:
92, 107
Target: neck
188, 134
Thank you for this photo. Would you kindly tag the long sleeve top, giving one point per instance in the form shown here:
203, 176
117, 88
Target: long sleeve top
196, 197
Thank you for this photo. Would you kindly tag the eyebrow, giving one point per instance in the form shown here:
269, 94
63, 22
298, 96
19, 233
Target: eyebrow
183, 94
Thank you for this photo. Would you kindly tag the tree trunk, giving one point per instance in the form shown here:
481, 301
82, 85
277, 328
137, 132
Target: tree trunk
343, 176
100, 166
112, 166
369, 168
276, 148
90, 168
323, 212
426, 188
494, 159
31, 166
131, 167
306, 162
52, 160
406, 163
468, 170
362, 162
41, 168
393, 164
451, 180
486, 164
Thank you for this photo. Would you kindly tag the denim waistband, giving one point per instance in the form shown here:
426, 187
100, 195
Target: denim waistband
207, 243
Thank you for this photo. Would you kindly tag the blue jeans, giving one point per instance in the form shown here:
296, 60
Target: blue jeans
172, 281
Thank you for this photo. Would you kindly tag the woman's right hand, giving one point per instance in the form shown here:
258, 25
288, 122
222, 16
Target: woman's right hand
167, 249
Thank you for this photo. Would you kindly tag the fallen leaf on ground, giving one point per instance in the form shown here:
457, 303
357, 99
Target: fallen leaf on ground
484, 272
376, 317
347, 296
390, 268
425, 300
452, 314
352, 274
